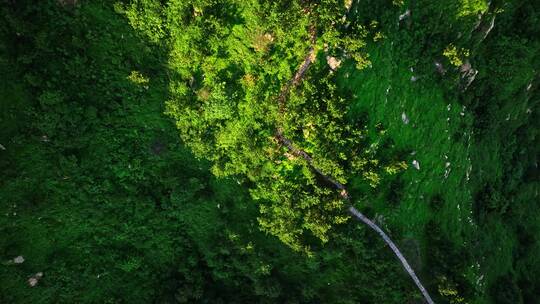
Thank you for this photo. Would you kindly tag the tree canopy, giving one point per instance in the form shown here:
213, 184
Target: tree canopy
188, 151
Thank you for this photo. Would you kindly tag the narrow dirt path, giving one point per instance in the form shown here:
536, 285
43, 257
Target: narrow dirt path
284, 141
295, 80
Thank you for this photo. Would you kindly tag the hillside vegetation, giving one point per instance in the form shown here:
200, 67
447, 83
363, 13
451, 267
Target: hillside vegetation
187, 151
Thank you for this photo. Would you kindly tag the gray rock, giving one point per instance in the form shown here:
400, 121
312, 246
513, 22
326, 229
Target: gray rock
404, 118
18, 260
416, 164
405, 15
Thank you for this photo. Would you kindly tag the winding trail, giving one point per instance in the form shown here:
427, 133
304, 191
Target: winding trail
284, 141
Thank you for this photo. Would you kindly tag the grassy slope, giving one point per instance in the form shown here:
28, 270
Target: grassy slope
474, 197
385, 92
437, 136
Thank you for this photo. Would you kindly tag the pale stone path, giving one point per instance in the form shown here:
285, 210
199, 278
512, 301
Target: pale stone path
282, 140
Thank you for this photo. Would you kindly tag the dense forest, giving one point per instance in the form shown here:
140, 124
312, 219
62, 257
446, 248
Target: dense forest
207, 151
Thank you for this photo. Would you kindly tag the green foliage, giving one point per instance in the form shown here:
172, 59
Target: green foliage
230, 63
99, 193
472, 7
455, 56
